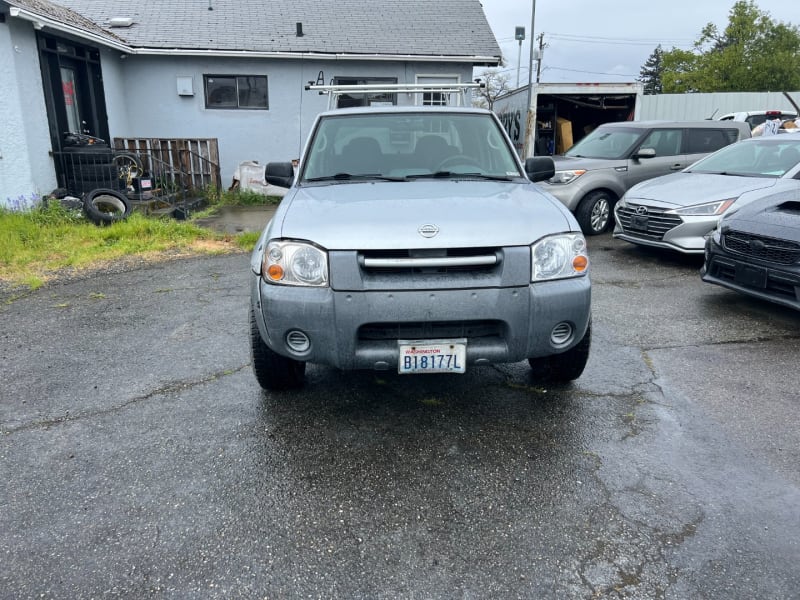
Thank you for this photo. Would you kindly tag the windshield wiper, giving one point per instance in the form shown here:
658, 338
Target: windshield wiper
351, 177
456, 175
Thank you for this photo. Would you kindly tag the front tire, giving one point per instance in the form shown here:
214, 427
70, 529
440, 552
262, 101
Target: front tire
594, 212
273, 371
564, 367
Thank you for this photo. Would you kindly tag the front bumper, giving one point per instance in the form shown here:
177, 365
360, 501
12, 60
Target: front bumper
663, 230
360, 329
781, 286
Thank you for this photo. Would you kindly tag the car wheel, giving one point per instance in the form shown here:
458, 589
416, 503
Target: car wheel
566, 366
594, 212
273, 371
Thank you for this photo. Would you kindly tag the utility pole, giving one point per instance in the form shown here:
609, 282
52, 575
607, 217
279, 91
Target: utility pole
529, 119
539, 61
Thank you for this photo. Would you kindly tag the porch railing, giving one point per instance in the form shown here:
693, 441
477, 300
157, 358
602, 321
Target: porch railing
197, 158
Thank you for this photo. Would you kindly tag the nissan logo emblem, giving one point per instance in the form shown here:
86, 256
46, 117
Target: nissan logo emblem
429, 230
641, 210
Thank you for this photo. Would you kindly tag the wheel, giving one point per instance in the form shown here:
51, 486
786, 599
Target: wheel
594, 212
566, 366
103, 206
128, 166
273, 371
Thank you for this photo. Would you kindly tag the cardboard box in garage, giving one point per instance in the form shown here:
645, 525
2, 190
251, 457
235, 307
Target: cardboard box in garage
563, 135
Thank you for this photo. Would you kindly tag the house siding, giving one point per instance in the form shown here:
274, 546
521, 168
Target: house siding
26, 166
145, 102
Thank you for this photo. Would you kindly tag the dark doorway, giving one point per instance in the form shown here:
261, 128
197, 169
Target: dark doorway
73, 87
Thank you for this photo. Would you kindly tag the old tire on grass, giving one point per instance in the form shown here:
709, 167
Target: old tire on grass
103, 206
273, 371
564, 367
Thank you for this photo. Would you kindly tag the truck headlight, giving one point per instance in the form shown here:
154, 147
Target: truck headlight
559, 256
295, 263
566, 176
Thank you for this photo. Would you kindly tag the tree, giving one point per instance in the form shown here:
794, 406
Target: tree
753, 54
495, 86
650, 73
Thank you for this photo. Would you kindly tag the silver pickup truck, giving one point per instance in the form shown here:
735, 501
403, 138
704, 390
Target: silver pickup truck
413, 239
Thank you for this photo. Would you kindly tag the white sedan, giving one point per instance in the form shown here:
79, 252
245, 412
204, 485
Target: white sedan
678, 211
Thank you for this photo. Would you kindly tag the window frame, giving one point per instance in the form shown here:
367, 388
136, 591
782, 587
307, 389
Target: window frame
208, 78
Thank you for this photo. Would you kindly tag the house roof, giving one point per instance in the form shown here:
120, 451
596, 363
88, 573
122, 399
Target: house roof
445, 29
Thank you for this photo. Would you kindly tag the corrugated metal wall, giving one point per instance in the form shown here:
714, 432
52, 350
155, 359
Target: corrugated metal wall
703, 106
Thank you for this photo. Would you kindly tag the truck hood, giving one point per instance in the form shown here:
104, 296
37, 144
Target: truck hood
688, 189
386, 215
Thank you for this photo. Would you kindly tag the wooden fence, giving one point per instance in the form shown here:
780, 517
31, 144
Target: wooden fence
195, 160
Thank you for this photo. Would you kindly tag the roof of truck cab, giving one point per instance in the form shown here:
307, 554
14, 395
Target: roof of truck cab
684, 124
367, 110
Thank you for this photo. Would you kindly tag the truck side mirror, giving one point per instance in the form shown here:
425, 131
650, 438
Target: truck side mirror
540, 168
279, 173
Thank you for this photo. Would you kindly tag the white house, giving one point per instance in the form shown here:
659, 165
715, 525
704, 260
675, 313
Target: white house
228, 72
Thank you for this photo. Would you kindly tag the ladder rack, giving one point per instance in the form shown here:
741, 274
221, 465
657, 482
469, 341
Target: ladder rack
334, 91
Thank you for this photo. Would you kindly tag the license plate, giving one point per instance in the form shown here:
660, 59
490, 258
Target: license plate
755, 277
432, 356
639, 222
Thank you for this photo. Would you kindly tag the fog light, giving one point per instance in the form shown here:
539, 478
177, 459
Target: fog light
561, 334
298, 341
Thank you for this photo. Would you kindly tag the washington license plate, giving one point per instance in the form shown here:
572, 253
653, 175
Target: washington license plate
432, 356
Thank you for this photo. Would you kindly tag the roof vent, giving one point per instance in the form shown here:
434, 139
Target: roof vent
299, 30
121, 22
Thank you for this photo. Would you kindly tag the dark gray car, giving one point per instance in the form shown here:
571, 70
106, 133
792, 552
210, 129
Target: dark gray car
595, 173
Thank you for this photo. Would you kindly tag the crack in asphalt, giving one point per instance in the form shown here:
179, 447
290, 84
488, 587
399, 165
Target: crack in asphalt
171, 387
753, 340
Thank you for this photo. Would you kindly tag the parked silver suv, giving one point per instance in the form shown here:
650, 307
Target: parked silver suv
592, 175
413, 239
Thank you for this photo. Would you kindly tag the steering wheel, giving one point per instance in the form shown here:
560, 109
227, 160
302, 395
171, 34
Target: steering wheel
458, 159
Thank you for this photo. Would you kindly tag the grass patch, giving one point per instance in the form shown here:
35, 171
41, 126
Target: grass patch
50, 239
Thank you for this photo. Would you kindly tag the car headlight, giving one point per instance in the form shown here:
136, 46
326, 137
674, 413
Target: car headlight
704, 210
566, 176
559, 256
295, 263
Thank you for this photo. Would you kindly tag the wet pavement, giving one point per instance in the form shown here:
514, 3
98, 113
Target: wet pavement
239, 219
139, 457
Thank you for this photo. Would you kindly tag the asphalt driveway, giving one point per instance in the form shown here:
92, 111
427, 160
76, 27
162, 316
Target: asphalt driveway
139, 457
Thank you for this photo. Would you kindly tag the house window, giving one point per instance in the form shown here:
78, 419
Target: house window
366, 98
236, 91
434, 99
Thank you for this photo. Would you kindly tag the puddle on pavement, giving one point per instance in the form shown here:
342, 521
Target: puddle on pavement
238, 219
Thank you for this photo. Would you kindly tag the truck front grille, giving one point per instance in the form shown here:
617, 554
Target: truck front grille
431, 262
432, 330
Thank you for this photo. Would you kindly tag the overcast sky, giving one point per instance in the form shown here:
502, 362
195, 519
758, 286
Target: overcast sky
603, 40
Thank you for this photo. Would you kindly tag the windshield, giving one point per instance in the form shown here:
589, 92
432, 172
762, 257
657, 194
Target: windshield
753, 158
404, 146
607, 142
